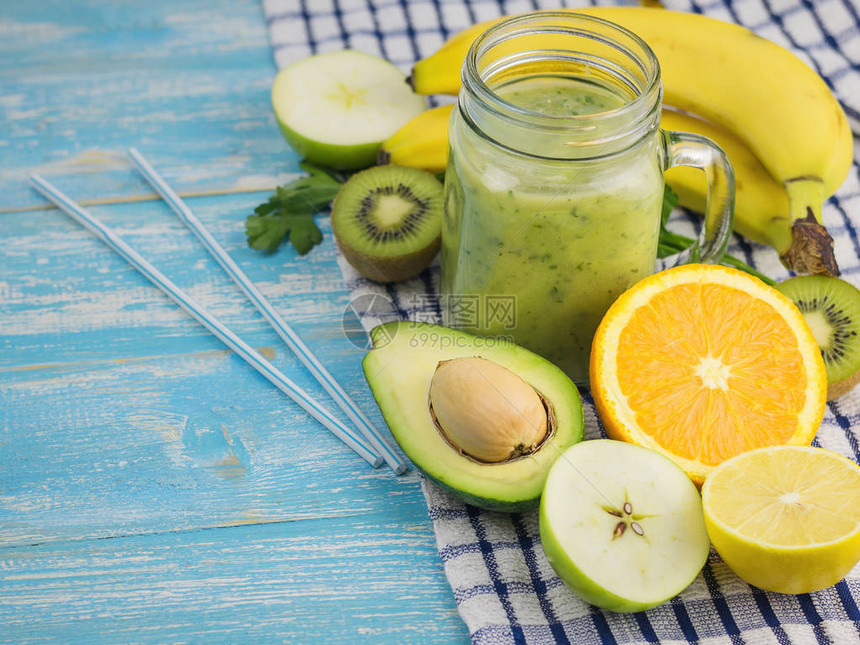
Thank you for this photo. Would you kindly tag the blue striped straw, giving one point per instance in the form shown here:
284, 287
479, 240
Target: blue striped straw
292, 340
251, 356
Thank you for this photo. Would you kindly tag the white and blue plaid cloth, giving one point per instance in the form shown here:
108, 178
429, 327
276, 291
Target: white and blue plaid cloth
505, 590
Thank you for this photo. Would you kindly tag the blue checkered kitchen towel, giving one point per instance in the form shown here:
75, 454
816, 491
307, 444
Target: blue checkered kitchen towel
504, 587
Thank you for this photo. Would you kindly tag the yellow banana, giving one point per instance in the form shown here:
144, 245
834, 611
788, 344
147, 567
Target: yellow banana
774, 102
421, 143
761, 205
439, 73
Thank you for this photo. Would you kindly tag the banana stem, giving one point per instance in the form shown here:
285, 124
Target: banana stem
811, 247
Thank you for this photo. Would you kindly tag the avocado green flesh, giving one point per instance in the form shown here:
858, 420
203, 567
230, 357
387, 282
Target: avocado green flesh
399, 369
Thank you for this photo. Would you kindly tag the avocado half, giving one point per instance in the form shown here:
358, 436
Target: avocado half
399, 370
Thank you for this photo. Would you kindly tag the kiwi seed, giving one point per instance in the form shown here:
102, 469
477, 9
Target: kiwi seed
387, 221
367, 211
831, 307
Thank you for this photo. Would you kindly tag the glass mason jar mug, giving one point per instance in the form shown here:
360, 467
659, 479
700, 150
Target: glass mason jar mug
554, 186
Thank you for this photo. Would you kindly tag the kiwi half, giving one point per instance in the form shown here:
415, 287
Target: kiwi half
387, 221
831, 307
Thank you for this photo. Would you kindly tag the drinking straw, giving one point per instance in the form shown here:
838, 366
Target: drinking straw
292, 340
251, 356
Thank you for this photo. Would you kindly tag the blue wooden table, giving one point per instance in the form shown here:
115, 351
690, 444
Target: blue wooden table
152, 486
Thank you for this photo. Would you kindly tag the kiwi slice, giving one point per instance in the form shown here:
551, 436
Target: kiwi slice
831, 307
387, 221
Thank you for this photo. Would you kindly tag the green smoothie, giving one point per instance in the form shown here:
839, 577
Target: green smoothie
558, 96
563, 237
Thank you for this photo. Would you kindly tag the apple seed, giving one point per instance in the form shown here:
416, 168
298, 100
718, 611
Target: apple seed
627, 518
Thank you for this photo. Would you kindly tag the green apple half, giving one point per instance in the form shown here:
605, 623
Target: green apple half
336, 109
622, 525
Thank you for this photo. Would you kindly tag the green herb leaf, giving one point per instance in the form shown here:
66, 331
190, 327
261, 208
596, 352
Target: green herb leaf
318, 173
267, 207
288, 213
265, 232
670, 200
671, 243
304, 234
315, 196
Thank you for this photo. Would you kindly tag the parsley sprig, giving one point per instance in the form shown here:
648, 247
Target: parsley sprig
289, 212
670, 243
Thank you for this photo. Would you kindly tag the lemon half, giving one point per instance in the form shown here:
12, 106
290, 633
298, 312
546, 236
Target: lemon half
785, 518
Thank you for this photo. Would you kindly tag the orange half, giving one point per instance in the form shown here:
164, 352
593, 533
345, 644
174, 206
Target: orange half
702, 363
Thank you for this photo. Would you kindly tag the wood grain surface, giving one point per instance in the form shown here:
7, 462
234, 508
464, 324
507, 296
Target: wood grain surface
153, 487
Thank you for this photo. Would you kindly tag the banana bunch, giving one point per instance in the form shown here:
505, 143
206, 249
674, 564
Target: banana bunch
785, 133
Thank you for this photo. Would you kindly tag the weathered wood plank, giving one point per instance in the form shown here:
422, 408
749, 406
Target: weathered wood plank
83, 81
361, 578
173, 493
98, 449
65, 296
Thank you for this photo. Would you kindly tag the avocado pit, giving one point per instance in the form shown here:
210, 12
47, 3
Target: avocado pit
487, 412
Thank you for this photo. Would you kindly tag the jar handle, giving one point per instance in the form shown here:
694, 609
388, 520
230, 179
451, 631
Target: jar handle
686, 149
